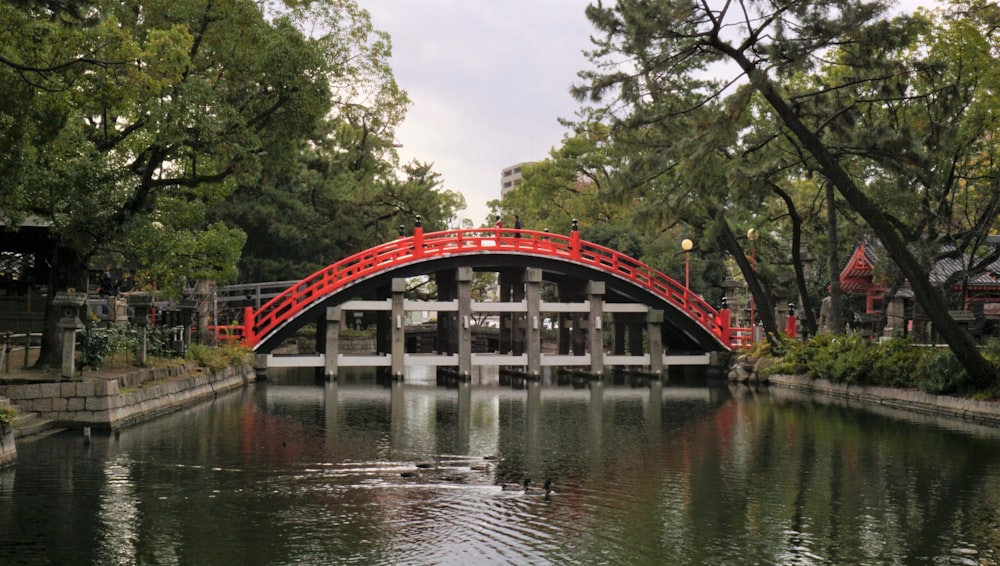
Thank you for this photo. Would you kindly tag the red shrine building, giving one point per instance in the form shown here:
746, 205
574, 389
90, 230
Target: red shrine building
973, 291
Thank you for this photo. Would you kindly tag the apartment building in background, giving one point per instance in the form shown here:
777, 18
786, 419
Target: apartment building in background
510, 175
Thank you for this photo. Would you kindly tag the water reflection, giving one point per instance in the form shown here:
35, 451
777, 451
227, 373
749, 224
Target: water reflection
295, 471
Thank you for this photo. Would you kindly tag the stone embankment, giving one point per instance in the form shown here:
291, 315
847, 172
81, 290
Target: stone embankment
108, 403
750, 370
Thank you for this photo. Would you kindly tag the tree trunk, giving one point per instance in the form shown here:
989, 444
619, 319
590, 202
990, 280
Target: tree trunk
800, 277
836, 295
765, 308
981, 372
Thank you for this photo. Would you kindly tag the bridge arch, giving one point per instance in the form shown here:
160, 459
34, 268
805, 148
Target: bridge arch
694, 324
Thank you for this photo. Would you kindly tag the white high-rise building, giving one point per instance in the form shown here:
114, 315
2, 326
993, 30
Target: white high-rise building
509, 176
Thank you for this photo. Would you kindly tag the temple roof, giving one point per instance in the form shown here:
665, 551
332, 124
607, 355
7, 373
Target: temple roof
857, 274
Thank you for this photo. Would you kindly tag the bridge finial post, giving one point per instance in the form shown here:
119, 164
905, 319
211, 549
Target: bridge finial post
418, 237
574, 240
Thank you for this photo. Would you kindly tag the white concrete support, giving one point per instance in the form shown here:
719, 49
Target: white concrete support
595, 295
654, 330
464, 282
397, 332
331, 349
533, 295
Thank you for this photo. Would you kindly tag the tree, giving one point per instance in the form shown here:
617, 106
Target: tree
172, 106
670, 43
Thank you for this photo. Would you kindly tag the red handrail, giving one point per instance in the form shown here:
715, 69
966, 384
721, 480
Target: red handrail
275, 313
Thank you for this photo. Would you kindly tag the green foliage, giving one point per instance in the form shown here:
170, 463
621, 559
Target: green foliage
349, 333
939, 372
895, 112
97, 343
220, 357
7, 416
159, 342
895, 363
122, 130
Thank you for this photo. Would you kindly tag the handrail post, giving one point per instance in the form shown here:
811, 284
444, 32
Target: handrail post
248, 320
724, 326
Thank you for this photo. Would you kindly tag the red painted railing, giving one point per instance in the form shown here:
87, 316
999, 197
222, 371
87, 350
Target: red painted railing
421, 246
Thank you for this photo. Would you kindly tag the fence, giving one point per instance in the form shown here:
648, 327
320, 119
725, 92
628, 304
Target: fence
18, 343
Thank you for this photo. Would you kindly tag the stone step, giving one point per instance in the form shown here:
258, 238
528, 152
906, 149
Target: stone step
32, 425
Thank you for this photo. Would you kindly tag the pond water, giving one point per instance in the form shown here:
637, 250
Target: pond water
688, 471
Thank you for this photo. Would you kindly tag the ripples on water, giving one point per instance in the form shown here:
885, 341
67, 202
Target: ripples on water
297, 472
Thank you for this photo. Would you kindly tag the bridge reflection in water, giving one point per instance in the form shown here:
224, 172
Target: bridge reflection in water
413, 401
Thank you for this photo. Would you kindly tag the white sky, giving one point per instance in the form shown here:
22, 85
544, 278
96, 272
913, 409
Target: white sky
488, 81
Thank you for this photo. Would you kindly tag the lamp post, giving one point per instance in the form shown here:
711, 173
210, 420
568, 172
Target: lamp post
752, 235
687, 245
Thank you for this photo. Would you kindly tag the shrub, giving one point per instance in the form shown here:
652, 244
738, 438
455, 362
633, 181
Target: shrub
95, 344
794, 360
220, 357
939, 372
160, 342
895, 363
842, 359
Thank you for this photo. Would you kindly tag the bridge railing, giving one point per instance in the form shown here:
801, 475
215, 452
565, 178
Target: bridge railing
298, 297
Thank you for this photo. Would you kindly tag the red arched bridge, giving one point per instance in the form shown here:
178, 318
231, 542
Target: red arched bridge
691, 324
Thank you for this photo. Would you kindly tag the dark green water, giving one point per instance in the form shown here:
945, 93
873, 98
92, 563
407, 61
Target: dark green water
292, 471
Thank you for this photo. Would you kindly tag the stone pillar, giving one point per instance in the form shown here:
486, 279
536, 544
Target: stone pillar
563, 334
511, 290
69, 322
654, 329
533, 294
331, 341
464, 326
189, 309
895, 315
595, 294
578, 336
619, 341
446, 339
398, 325
635, 338
519, 326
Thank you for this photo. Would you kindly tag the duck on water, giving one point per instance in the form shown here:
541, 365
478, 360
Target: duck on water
527, 488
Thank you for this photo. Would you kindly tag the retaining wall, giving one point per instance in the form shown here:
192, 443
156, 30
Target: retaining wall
982, 412
125, 400
8, 450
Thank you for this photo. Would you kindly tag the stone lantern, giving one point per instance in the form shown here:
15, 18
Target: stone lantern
69, 322
141, 305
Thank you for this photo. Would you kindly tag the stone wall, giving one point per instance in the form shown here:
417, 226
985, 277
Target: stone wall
8, 451
981, 412
116, 402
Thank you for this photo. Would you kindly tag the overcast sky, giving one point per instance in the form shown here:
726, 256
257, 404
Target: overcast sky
488, 81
